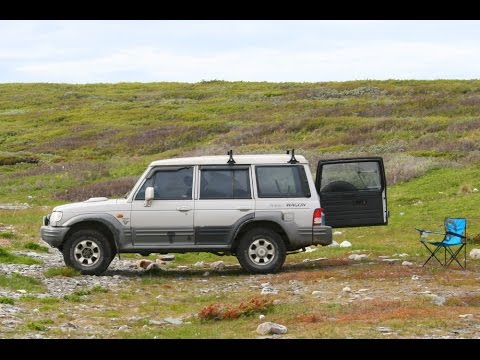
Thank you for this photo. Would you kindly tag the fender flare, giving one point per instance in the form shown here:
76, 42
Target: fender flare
106, 219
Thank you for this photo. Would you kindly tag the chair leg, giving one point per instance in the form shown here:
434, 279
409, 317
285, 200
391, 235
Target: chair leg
433, 254
454, 255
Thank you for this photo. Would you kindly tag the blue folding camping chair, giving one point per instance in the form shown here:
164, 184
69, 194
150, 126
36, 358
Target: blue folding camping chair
454, 240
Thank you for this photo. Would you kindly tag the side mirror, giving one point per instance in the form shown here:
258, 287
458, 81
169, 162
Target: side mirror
149, 194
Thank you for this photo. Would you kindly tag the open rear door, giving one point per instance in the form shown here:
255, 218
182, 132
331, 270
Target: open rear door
353, 191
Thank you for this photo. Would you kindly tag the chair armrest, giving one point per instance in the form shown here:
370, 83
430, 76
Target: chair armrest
430, 232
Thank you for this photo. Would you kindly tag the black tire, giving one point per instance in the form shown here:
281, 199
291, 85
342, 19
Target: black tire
339, 186
88, 251
271, 257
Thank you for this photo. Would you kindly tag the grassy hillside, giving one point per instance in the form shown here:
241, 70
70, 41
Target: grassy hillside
61, 142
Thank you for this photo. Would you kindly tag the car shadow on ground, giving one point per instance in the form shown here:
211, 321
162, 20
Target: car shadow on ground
228, 271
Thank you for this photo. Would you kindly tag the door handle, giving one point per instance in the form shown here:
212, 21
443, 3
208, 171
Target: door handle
243, 208
184, 208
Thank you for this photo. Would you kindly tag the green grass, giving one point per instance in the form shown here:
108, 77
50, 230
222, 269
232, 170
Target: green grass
39, 325
7, 235
7, 300
61, 271
34, 246
7, 257
81, 295
17, 281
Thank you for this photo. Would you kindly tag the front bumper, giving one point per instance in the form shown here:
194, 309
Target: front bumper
322, 235
54, 236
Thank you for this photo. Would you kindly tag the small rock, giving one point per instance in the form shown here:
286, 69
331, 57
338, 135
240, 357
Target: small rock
407, 263
402, 213
277, 302
160, 262
361, 290
345, 244
310, 249
22, 291
390, 260
167, 257
70, 325
36, 310
267, 290
316, 293
156, 322
465, 316
415, 277
199, 264
173, 321
206, 273
261, 317
384, 329
337, 233
182, 267
475, 254
143, 264
271, 328
153, 266
318, 259
346, 289
124, 327
438, 300
217, 265
475, 190
334, 244
358, 257
402, 255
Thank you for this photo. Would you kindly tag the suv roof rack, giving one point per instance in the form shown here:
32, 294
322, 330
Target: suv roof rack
292, 159
230, 160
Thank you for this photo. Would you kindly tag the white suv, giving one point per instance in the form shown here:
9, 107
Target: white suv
256, 207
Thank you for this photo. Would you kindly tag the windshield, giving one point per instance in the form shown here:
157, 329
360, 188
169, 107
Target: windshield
137, 184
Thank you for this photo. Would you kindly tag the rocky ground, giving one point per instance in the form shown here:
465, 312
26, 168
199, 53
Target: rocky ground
357, 280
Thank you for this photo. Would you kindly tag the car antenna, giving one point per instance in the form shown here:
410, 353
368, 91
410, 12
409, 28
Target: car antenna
230, 160
292, 159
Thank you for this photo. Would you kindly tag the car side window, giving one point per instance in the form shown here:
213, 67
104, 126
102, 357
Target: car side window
169, 184
224, 184
282, 181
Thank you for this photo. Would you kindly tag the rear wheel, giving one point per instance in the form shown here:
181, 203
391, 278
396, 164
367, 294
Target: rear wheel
261, 251
88, 251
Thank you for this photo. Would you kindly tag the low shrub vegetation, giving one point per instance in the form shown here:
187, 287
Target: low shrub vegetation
219, 311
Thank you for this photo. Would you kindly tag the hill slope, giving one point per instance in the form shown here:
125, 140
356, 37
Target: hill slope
63, 142
84, 134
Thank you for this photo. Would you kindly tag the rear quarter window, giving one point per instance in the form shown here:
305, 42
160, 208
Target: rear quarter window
286, 181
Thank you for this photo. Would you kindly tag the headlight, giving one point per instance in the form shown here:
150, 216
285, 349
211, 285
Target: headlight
55, 217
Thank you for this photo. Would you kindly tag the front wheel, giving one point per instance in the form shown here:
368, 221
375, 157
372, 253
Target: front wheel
88, 251
261, 251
